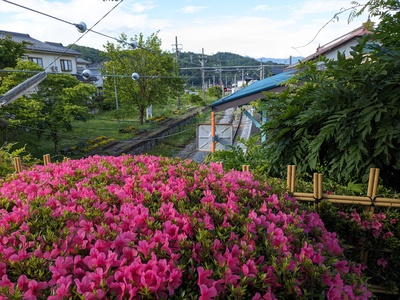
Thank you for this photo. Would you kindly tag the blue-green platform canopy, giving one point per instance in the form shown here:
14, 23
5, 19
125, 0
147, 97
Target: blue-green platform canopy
253, 92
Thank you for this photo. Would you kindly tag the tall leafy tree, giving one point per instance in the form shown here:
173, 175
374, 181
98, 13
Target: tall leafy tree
345, 119
51, 107
11, 51
157, 84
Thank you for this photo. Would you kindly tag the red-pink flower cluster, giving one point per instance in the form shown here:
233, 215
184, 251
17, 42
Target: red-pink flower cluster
132, 227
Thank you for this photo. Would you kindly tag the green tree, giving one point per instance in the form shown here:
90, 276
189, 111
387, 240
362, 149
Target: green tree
157, 84
345, 119
51, 107
90, 54
215, 91
11, 51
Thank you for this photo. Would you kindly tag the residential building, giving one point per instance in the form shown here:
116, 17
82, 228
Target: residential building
342, 44
53, 57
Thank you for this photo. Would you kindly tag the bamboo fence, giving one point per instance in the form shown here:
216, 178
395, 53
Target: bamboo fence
370, 201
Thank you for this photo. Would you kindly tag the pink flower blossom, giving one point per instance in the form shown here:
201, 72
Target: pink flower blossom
207, 293
382, 262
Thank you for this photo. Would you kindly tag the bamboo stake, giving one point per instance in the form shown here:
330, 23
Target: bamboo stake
245, 168
319, 186
370, 181
289, 177
376, 182
17, 164
315, 186
293, 179
46, 159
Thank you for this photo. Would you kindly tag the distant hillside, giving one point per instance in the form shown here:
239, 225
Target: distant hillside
225, 66
285, 61
90, 54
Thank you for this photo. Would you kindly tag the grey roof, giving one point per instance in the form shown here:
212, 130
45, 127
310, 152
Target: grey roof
253, 92
82, 61
38, 45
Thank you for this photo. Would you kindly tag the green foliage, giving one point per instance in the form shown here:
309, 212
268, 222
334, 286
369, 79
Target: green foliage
10, 52
7, 155
90, 54
157, 69
345, 119
57, 101
250, 153
376, 235
215, 91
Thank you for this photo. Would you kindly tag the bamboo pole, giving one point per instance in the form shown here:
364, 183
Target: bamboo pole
17, 164
288, 177
373, 187
315, 185
245, 168
319, 186
293, 179
46, 159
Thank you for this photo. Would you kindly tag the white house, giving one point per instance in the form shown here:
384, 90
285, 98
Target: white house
342, 44
53, 57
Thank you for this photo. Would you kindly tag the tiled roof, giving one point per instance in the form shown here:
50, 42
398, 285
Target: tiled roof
38, 45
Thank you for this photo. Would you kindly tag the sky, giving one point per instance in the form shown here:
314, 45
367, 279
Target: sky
254, 28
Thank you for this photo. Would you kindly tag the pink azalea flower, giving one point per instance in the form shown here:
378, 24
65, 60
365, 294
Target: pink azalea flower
151, 280
86, 285
382, 262
34, 289
207, 293
23, 283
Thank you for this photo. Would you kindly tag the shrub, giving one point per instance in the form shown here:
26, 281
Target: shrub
368, 238
146, 227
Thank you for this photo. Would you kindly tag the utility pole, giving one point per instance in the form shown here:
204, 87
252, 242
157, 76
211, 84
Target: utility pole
261, 70
177, 69
202, 62
116, 96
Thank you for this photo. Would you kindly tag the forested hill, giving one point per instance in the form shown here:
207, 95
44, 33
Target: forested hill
222, 66
90, 54
187, 59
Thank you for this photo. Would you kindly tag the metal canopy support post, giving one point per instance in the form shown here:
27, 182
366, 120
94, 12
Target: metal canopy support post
263, 121
255, 122
212, 132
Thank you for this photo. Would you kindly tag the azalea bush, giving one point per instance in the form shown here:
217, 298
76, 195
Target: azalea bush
147, 227
371, 238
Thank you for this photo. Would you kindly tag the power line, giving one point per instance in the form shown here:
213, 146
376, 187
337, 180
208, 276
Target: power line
67, 22
81, 26
335, 17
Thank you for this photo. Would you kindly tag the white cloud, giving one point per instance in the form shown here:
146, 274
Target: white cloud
265, 30
263, 7
192, 9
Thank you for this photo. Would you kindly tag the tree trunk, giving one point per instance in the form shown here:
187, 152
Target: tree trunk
54, 136
141, 115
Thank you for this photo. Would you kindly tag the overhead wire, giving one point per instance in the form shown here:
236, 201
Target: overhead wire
70, 23
335, 17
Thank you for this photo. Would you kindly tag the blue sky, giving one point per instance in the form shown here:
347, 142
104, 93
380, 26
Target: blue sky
255, 28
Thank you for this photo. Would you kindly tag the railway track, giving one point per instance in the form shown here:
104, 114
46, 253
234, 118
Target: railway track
147, 139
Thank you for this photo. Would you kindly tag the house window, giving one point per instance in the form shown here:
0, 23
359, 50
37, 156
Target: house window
37, 60
66, 65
